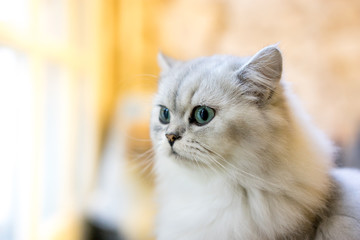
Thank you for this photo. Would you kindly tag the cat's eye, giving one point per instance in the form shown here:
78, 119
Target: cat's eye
164, 115
202, 115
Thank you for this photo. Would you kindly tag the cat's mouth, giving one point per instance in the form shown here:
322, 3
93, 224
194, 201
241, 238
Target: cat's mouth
174, 153
178, 156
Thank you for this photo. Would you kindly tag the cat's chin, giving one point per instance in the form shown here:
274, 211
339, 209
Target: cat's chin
178, 157
187, 162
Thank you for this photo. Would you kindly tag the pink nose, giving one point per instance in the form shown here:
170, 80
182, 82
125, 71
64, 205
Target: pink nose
172, 138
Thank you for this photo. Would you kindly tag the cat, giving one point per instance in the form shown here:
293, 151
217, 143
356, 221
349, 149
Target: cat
236, 158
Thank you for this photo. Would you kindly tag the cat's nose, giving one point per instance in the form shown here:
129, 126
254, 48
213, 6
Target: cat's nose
172, 137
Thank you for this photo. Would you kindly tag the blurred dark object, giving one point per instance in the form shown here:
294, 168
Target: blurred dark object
350, 156
353, 156
97, 231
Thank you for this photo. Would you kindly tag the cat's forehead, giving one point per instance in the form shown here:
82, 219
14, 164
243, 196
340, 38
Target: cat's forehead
201, 81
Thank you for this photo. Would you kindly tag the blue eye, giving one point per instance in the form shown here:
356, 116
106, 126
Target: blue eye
202, 115
164, 115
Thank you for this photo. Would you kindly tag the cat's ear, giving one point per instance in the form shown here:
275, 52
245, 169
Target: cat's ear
165, 62
262, 73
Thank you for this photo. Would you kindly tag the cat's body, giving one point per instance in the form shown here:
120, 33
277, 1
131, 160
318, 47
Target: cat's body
254, 169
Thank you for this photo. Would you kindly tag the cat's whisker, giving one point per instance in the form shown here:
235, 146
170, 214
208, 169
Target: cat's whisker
140, 156
213, 160
206, 147
221, 167
209, 165
199, 155
140, 160
218, 163
236, 168
226, 170
198, 165
143, 162
195, 162
136, 165
144, 171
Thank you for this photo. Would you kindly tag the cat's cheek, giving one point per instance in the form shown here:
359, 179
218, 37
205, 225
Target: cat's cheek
223, 135
156, 131
233, 133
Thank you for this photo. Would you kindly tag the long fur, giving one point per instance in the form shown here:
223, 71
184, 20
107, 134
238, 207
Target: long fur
258, 170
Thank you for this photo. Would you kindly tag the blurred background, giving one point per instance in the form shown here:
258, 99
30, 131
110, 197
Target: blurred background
76, 81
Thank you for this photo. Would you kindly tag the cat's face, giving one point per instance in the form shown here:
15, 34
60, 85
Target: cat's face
210, 110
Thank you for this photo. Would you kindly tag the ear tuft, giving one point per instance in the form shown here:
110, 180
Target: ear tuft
165, 62
262, 72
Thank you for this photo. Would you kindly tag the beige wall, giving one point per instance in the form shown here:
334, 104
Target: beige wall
320, 41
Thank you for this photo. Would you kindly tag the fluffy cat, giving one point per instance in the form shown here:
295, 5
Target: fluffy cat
236, 159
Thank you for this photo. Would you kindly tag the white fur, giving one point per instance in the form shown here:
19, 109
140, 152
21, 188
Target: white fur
254, 172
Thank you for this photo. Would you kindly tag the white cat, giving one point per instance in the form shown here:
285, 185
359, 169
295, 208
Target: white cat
236, 159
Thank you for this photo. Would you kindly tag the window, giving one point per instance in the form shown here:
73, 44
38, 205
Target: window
52, 79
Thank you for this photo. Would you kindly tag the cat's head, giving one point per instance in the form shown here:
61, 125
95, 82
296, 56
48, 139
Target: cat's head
218, 111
